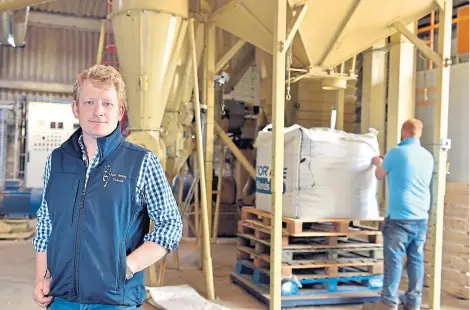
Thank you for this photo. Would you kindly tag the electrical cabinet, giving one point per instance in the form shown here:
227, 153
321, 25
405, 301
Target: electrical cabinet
49, 124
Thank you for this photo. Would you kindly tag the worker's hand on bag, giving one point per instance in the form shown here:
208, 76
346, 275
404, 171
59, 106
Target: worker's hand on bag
377, 160
41, 292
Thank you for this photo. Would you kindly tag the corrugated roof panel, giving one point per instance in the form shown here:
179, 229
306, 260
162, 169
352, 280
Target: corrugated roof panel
52, 55
83, 8
34, 96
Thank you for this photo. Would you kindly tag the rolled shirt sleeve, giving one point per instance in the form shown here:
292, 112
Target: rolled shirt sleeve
43, 226
390, 160
161, 205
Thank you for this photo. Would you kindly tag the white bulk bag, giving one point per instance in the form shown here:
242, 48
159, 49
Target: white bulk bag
327, 173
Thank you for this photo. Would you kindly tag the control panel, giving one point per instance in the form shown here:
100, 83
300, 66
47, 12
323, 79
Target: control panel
49, 125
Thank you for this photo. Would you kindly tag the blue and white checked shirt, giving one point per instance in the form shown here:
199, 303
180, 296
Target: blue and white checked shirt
161, 204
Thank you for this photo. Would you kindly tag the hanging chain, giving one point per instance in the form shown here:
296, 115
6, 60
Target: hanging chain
223, 112
288, 65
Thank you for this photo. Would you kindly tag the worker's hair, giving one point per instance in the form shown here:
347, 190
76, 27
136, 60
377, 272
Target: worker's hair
413, 128
101, 75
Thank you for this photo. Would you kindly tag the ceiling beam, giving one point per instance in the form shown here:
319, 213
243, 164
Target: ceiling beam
237, 72
339, 31
54, 20
37, 86
230, 53
11, 5
420, 44
295, 26
225, 9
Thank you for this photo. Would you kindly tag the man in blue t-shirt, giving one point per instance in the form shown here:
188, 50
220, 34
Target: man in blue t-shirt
408, 168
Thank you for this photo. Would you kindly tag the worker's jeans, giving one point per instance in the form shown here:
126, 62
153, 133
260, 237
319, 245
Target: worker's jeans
404, 237
62, 304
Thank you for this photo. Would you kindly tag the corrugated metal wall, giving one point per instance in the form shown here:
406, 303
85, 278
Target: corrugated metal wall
52, 55
247, 89
458, 117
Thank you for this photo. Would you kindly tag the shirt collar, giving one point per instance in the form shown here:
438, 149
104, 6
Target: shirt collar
83, 148
106, 145
411, 140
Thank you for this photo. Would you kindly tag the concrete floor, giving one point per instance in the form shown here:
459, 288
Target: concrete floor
17, 277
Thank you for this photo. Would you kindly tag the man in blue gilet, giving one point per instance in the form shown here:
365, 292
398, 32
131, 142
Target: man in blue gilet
408, 168
100, 192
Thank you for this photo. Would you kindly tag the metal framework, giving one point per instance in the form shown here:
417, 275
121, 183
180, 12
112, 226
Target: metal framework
268, 32
441, 145
281, 40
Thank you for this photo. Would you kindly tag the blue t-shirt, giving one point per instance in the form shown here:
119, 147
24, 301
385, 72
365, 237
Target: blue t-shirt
409, 169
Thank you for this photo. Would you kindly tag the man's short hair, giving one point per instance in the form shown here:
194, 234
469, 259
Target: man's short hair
413, 127
99, 76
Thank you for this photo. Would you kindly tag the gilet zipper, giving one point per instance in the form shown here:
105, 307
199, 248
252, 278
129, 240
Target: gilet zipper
77, 234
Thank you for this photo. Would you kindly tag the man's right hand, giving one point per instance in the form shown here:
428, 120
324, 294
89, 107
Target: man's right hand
41, 292
377, 160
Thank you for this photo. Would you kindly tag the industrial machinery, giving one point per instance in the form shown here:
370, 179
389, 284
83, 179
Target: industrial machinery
158, 42
157, 73
13, 27
48, 125
157, 66
19, 202
18, 205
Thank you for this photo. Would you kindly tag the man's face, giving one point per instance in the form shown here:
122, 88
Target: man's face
98, 109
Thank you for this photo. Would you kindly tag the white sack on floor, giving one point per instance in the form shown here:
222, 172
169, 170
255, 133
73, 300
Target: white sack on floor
180, 297
327, 173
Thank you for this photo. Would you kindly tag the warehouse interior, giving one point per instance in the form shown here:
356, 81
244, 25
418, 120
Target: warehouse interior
227, 93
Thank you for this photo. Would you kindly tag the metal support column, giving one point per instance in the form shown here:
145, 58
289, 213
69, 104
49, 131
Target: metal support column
206, 248
210, 97
99, 54
373, 97
440, 151
278, 96
339, 105
401, 87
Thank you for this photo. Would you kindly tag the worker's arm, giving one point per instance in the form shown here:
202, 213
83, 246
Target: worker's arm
43, 228
40, 240
384, 165
380, 172
41, 266
164, 213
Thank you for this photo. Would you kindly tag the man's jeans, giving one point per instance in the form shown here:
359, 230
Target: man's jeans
404, 237
62, 304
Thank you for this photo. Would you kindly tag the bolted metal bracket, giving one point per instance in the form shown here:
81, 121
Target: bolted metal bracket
445, 144
281, 46
447, 62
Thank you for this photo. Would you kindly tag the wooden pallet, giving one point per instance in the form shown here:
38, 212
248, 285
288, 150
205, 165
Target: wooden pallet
326, 267
263, 232
16, 229
312, 284
312, 245
307, 300
310, 227
307, 277
313, 253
